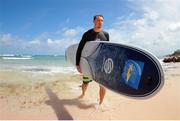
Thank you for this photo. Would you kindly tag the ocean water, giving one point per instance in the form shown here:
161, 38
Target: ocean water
27, 75
31, 68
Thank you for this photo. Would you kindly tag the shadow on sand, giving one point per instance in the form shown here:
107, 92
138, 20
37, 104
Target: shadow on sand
58, 105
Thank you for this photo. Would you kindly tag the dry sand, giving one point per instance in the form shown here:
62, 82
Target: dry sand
59, 100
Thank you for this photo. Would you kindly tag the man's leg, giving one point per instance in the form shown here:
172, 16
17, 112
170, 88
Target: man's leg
85, 83
102, 92
84, 88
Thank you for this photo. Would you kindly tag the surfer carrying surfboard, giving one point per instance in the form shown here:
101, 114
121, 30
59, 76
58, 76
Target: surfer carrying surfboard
94, 34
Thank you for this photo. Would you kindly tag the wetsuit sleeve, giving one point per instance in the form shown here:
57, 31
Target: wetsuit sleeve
107, 36
80, 48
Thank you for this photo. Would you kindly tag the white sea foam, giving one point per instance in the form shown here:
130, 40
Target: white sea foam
170, 65
16, 58
7, 55
48, 69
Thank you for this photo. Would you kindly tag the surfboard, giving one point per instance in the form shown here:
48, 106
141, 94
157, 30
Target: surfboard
125, 69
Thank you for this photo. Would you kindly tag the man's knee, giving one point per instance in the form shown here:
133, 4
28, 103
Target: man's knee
85, 84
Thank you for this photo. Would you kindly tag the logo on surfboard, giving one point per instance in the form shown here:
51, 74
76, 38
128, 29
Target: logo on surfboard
108, 65
132, 73
129, 72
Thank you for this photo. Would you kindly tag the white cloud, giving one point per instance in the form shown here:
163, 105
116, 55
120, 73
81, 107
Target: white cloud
8, 39
34, 42
72, 32
49, 41
44, 43
37, 42
5, 38
68, 37
157, 30
62, 43
42, 37
174, 27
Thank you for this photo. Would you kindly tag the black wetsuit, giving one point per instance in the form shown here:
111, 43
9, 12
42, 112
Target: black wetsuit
90, 35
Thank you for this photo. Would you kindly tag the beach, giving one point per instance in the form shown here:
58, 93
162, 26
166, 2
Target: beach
42, 91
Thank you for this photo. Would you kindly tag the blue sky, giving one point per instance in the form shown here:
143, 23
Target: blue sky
32, 17
50, 26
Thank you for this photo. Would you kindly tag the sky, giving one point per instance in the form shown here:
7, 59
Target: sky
45, 27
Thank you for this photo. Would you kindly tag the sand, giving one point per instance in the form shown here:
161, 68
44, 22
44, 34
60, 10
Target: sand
58, 99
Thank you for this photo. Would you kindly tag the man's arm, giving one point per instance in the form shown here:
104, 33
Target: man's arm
79, 51
107, 36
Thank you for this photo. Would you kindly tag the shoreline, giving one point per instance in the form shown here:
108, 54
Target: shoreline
58, 99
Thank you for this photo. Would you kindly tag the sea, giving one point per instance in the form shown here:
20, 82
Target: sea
29, 75
28, 69
32, 68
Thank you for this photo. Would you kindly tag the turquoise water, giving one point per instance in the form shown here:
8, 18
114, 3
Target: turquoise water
29, 68
34, 60
35, 63
33, 68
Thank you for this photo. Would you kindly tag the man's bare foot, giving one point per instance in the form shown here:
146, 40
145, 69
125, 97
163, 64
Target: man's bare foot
102, 107
80, 97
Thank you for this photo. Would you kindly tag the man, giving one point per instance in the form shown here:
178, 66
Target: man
95, 34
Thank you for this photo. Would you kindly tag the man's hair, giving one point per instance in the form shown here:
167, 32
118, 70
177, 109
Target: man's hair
98, 16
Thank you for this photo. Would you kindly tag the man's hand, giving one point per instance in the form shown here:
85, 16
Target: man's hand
78, 68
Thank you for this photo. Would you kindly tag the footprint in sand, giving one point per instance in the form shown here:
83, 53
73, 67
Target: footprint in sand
102, 108
2, 97
99, 109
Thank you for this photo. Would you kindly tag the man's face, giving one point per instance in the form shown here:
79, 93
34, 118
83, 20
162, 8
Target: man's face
98, 22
